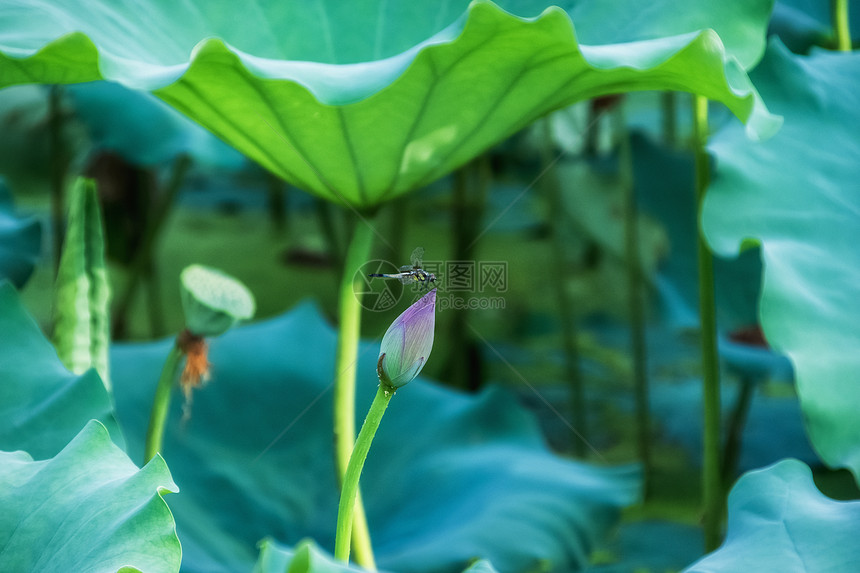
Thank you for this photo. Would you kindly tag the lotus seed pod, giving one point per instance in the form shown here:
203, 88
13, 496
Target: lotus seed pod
213, 301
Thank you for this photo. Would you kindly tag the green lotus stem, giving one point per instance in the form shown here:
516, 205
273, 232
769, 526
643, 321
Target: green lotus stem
155, 308
470, 185
349, 492
143, 258
635, 302
398, 225
736, 423
668, 107
276, 202
349, 331
712, 492
569, 331
59, 164
326, 222
161, 404
839, 16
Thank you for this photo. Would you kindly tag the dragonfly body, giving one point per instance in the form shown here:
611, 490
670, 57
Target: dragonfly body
411, 274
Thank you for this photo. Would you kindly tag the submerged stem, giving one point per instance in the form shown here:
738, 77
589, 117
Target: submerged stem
161, 404
712, 491
349, 492
567, 313
349, 331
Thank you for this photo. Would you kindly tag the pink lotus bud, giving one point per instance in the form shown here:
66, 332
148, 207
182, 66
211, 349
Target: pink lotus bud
407, 343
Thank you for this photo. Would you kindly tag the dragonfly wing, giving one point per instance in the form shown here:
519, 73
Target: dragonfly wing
405, 268
417, 257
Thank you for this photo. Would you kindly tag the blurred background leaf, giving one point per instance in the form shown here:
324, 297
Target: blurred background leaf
144, 130
20, 241
802, 24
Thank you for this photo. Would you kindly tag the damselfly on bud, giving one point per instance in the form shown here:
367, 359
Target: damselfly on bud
407, 343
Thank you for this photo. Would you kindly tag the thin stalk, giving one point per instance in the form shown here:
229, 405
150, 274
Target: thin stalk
349, 492
839, 17
669, 106
737, 421
636, 304
155, 308
327, 226
569, 334
58, 170
349, 332
470, 185
276, 202
143, 258
460, 229
161, 404
399, 211
712, 491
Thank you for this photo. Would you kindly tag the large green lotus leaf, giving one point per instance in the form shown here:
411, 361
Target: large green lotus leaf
20, 241
797, 195
42, 405
372, 115
779, 521
450, 477
89, 508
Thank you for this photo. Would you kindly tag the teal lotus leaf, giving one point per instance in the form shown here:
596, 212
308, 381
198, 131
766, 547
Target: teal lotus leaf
779, 521
20, 241
741, 24
42, 405
482, 566
450, 477
372, 115
143, 129
306, 557
89, 508
664, 180
797, 195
